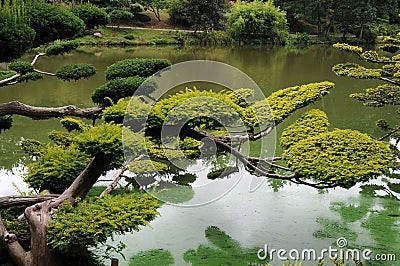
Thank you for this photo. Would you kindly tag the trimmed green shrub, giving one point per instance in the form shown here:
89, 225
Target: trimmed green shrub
342, 157
75, 71
122, 87
113, 214
51, 22
91, 15
30, 76
141, 67
21, 66
56, 168
61, 47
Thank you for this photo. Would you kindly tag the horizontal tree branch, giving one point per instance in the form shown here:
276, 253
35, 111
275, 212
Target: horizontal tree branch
17, 108
10, 201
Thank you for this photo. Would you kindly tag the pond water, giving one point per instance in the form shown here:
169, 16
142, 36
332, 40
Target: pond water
283, 216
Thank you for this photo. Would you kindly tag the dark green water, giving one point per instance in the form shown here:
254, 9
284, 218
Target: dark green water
294, 217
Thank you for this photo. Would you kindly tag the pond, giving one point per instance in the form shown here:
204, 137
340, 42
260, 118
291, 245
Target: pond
280, 215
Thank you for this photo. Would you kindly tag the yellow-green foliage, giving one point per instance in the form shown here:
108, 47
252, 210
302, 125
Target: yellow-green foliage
7, 74
91, 222
177, 149
61, 138
71, 124
198, 106
115, 113
144, 167
373, 55
56, 168
356, 71
134, 143
379, 96
285, 101
343, 157
134, 110
396, 57
33, 147
310, 124
103, 139
349, 48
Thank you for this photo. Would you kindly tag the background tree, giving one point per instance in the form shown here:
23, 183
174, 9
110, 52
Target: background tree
259, 20
155, 6
52, 22
91, 15
207, 15
15, 34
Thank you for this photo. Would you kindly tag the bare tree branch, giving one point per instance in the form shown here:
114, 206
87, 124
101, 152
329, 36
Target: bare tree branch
119, 175
17, 108
10, 201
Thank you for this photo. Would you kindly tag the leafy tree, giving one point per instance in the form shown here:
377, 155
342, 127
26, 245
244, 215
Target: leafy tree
383, 94
259, 19
15, 34
91, 15
155, 6
206, 15
52, 22
178, 13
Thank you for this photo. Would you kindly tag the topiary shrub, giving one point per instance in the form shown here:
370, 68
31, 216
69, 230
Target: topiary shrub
21, 66
56, 168
91, 15
60, 47
75, 71
51, 22
141, 67
120, 88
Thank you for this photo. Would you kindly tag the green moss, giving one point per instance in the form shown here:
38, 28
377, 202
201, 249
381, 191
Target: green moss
223, 251
152, 257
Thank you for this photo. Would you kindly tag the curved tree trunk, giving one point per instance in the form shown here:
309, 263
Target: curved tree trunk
39, 215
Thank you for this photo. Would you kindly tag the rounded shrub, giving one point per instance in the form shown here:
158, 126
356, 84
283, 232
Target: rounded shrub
91, 15
141, 67
75, 72
120, 88
21, 66
60, 47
